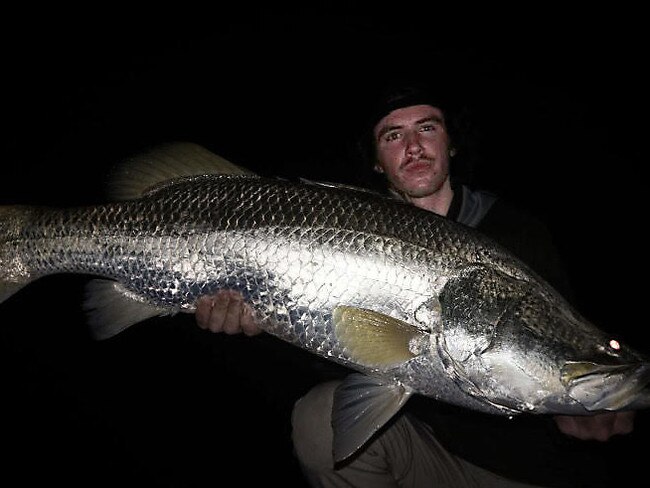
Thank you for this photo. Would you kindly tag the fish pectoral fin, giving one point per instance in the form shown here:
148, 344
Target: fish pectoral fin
111, 308
374, 339
145, 171
362, 405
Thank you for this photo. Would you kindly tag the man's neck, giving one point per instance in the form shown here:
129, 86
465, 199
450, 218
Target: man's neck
438, 202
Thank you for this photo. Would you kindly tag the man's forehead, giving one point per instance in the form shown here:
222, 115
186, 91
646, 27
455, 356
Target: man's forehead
412, 114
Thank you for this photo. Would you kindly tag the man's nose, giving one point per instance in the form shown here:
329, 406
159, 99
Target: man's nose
413, 145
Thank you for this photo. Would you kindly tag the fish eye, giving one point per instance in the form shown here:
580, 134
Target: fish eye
611, 347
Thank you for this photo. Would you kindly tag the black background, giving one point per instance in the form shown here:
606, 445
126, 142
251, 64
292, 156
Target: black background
559, 105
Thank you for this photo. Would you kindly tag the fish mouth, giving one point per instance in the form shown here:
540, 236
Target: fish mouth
607, 387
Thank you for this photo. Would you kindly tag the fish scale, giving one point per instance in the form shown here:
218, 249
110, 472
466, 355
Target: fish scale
414, 302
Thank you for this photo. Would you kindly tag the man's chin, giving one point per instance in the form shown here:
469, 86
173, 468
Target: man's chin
421, 191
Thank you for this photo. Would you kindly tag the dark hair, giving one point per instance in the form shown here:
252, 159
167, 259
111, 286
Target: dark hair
402, 95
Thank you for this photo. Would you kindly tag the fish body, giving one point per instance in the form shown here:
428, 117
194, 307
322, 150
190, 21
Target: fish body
411, 301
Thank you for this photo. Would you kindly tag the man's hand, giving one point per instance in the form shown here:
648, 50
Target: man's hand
598, 427
226, 311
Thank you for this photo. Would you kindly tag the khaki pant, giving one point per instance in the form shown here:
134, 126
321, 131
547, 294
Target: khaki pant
404, 455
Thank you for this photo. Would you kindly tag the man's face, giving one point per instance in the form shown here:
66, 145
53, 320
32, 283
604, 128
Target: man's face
412, 146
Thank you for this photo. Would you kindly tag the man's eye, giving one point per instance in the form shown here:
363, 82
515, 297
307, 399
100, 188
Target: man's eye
428, 128
392, 136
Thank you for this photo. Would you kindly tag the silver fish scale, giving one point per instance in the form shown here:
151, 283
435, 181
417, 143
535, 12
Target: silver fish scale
295, 251
488, 334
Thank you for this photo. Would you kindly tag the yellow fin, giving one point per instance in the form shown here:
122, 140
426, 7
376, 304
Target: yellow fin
374, 339
137, 174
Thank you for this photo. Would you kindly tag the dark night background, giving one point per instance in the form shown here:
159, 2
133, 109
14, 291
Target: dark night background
559, 110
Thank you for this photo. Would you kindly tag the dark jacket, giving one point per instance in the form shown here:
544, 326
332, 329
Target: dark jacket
520, 232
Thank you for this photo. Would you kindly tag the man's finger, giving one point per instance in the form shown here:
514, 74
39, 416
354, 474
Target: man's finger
203, 309
232, 317
248, 324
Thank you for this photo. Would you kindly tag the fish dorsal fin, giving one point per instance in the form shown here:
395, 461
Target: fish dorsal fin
343, 186
362, 405
376, 340
138, 174
111, 308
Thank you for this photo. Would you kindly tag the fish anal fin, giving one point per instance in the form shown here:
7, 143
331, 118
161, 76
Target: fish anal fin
362, 405
111, 308
374, 339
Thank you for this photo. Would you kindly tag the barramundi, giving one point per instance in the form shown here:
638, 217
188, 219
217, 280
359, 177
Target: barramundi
409, 301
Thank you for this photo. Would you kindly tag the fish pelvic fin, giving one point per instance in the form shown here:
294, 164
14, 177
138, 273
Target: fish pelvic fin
362, 405
376, 340
137, 175
112, 308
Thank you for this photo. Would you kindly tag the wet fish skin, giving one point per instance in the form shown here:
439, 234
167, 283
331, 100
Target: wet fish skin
414, 302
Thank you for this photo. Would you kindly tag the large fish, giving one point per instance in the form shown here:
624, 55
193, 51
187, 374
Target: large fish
409, 301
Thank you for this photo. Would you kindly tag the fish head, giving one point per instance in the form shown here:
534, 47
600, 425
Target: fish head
518, 346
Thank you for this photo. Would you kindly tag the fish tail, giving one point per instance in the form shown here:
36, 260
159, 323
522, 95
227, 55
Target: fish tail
13, 272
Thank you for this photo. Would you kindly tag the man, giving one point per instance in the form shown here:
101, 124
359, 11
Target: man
409, 143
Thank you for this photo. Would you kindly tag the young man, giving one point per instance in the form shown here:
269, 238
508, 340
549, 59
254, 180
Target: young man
409, 143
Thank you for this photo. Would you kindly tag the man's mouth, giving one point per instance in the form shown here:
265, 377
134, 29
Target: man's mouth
416, 164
